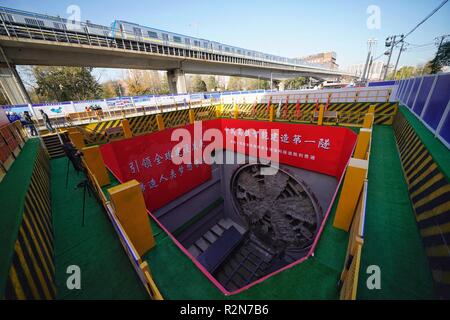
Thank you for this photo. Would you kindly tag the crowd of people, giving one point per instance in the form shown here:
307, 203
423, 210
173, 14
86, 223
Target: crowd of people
28, 122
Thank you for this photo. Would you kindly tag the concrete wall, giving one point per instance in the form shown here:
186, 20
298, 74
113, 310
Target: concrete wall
188, 206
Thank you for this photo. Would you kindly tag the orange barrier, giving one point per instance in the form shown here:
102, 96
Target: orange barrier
350, 274
141, 267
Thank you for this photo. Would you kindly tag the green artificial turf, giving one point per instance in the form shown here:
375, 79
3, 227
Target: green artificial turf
13, 189
392, 240
106, 272
435, 147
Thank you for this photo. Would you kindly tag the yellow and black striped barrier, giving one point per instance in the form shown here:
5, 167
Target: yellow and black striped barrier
429, 190
32, 271
104, 131
348, 113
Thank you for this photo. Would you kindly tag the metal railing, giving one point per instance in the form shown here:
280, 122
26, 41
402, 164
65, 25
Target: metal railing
363, 94
350, 275
141, 267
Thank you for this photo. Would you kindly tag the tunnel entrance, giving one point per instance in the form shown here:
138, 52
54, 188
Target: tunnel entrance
238, 226
282, 218
256, 225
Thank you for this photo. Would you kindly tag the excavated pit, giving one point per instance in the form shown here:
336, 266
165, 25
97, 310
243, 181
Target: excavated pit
242, 225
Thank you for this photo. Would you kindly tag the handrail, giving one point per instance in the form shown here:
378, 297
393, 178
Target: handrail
348, 282
140, 267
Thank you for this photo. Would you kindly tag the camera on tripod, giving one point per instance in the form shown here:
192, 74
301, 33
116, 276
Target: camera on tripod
75, 157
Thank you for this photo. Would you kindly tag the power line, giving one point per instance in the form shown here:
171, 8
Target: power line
425, 19
403, 37
420, 45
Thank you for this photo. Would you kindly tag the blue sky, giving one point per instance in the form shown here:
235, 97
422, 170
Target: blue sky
289, 28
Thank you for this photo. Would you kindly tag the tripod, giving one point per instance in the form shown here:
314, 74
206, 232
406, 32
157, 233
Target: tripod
85, 184
69, 159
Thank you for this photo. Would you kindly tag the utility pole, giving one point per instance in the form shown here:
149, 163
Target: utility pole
370, 44
398, 58
370, 67
271, 81
442, 38
441, 41
390, 42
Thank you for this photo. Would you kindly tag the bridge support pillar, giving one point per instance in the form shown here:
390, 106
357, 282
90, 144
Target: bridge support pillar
12, 86
177, 81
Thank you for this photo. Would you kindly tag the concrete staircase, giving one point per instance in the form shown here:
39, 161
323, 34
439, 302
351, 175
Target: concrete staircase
209, 237
53, 145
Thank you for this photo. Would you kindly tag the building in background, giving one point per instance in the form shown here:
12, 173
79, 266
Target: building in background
327, 59
375, 72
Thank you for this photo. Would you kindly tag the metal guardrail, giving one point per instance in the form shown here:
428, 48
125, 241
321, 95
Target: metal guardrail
350, 274
348, 95
141, 267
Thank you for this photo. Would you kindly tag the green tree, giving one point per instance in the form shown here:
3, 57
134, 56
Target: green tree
263, 84
255, 84
295, 83
65, 83
441, 59
211, 83
198, 85
235, 84
410, 71
140, 82
112, 88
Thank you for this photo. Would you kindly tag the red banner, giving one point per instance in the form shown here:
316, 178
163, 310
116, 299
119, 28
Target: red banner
147, 159
323, 149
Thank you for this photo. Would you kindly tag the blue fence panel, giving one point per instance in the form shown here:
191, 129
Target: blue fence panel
400, 89
20, 108
438, 101
405, 84
407, 90
381, 83
424, 90
445, 131
413, 94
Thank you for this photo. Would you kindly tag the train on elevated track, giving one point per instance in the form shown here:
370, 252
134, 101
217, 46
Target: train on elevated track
131, 31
